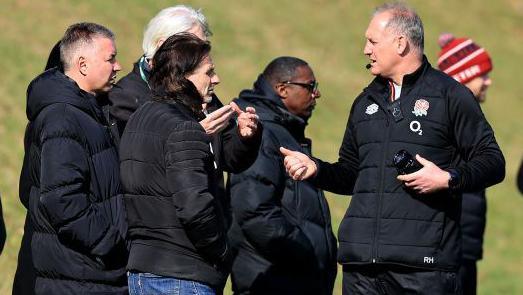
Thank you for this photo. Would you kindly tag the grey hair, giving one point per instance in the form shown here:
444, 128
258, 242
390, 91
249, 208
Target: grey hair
406, 21
78, 36
282, 69
170, 21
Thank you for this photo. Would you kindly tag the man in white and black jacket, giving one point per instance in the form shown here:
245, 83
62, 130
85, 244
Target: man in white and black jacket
401, 233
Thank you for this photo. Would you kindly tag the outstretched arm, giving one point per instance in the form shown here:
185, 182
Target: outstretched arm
336, 177
298, 165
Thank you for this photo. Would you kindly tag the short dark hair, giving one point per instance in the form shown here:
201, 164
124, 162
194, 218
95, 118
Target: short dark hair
282, 69
176, 58
78, 35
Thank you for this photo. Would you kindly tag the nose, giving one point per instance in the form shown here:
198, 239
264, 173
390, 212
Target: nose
117, 67
316, 94
367, 49
215, 79
487, 81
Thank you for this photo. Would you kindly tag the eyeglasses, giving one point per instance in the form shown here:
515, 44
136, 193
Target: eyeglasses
311, 86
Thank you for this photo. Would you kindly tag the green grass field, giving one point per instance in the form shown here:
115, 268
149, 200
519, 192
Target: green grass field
247, 35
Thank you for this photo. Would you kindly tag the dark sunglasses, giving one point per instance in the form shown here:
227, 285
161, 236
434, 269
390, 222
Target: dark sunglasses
312, 86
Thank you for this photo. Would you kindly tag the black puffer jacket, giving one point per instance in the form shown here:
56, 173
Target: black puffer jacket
519, 180
71, 175
438, 119
282, 228
2, 228
473, 220
177, 211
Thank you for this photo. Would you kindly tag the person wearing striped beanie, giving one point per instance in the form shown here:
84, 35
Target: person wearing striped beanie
467, 62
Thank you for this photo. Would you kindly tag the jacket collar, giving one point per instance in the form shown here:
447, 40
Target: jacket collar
53, 86
142, 68
379, 87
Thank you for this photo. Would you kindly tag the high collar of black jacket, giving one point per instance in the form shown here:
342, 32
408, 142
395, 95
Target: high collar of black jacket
270, 108
379, 87
52, 87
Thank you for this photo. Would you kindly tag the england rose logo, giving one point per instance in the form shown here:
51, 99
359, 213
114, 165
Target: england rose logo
420, 107
373, 108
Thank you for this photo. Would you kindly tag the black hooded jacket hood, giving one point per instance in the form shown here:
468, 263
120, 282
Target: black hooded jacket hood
53, 86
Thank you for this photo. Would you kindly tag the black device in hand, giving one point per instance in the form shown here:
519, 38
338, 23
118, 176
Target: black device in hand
405, 163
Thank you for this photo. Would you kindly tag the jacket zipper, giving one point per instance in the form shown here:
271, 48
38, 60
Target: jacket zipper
380, 190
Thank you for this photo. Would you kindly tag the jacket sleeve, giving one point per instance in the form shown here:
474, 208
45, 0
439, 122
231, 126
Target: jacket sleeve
483, 163
24, 186
520, 178
65, 196
340, 177
2, 228
256, 196
189, 166
237, 154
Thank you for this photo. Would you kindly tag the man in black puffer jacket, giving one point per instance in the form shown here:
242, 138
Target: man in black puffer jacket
469, 64
401, 234
71, 171
282, 229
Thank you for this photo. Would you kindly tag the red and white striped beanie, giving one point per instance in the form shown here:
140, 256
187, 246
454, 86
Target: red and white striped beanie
462, 59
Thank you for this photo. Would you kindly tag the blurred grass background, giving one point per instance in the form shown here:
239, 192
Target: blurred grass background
247, 35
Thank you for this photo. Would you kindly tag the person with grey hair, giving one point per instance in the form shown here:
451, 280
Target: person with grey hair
401, 233
133, 90
70, 176
282, 228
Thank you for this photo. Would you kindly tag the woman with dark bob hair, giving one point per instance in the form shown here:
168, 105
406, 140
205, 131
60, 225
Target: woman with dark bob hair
178, 216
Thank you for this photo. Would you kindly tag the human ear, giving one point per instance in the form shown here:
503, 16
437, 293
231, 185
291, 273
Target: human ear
281, 90
82, 65
159, 43
401, 45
